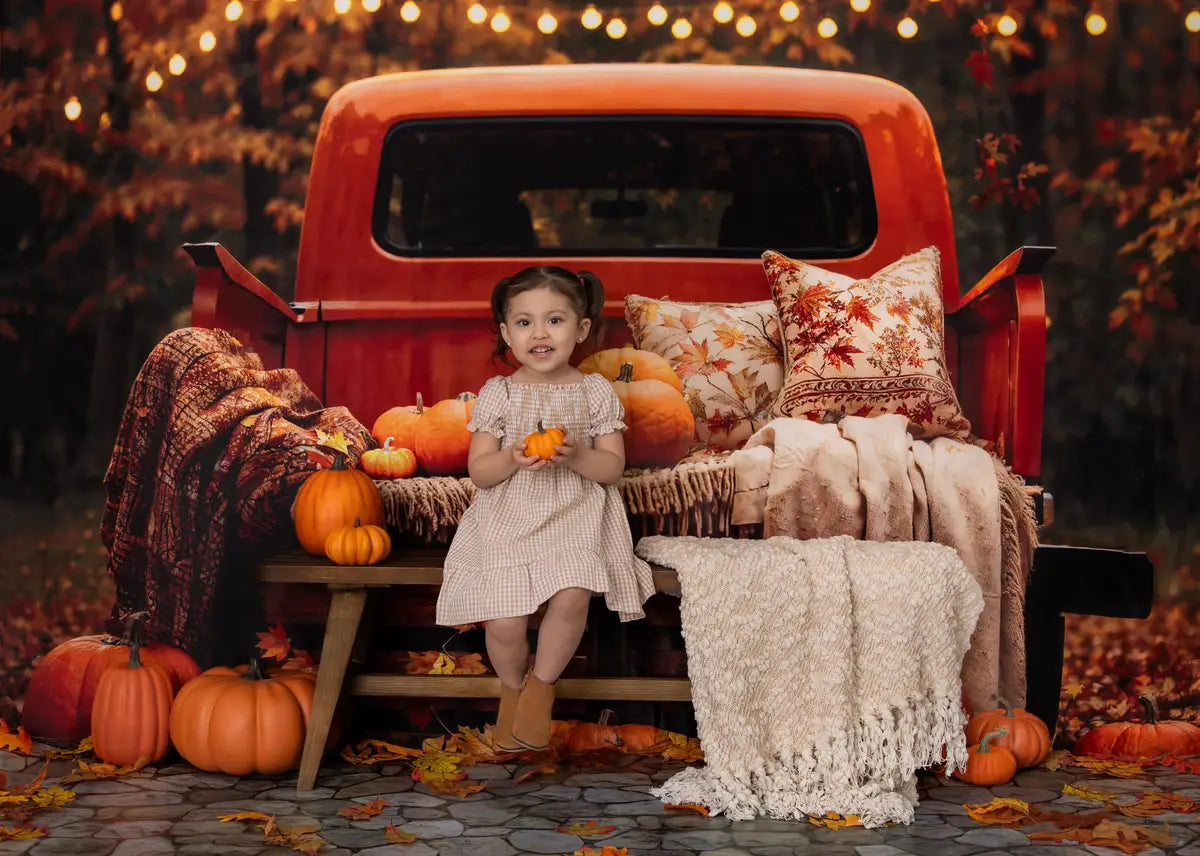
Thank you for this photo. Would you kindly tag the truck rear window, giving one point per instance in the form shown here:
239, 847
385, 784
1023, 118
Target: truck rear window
624, 186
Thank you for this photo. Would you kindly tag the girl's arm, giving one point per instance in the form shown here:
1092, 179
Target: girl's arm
487, 464
604, 463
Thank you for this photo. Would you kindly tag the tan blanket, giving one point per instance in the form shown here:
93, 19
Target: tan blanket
869, 479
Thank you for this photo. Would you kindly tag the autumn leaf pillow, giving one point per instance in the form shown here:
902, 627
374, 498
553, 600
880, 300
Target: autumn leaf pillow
866, 347
728, 355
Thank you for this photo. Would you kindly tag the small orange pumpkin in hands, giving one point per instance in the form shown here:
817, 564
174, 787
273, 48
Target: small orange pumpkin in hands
389, 462
541, 443
358, 544
987, 763
1028, 738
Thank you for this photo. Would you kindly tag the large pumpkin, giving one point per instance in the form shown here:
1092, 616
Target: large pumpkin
131, 716
399, 423
661, 427
1026, 736
1141, 739
647, 365
333, 498
243, 721
62, 690
442, 440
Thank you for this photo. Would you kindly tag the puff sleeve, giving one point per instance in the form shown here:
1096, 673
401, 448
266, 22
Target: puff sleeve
606, 415
490, 409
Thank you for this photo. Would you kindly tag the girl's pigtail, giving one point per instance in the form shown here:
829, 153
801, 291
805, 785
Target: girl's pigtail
499, 306
593, 292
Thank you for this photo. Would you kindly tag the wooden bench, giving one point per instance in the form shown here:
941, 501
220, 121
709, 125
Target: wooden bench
345, 628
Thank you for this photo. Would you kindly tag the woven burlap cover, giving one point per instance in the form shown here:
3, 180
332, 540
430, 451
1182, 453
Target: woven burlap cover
695, 497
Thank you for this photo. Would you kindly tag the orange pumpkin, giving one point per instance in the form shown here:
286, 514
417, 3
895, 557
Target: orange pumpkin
389, 462
358, 544
333, 498
399, 423
62, 691
1027, 736
636, 738
131, 715
596, 736
647, 365
541, 443
988, 763
243, 721
661, 427
442, 440
1142, 739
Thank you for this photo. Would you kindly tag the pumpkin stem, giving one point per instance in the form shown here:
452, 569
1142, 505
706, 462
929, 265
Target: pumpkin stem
256, 671
541, 428
357, 522
1008, 711
387, 444
1151, 708
985, 741
464, 396
135, 629
420, 404
135, 655
626, 373
605, 716
339, 461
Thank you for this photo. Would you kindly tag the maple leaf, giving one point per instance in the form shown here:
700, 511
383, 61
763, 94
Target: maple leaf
244, 815
606, 850
336, 441
21, 833
15, 741
682, 748
841, 354
1001, 811
470, 664
1150, 803
587, 829
377, 752
859, 309
34, 784
52, 797
365, 811
51, 753
300, 661
275, 643
534, 770
392, 835
85, 771
700, 809
833, 820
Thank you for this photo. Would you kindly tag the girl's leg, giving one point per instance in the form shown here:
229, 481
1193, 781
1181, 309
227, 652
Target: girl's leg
508, 649
558, 638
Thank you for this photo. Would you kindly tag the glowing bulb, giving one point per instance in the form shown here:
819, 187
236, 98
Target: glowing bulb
1095, 23
176, 64
373, 6
547, 23
105, 121
73, 109
1006, 25
682, 28
208, 41
501, 22
616, 28
154, 81
1192, 22
789, 11
409, 12
827, 29
477, 14
723, 13
745, 26
341, 6
116, 12
907, 28
591, 19
233, 10
657, 15
860, 5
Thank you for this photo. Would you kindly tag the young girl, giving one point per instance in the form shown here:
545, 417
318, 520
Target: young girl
542, 530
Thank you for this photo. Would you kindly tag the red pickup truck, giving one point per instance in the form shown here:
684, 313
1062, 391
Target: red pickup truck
428, 187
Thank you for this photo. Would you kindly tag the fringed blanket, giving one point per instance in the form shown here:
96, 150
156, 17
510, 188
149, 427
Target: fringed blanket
869, 479
824, 673
208, 459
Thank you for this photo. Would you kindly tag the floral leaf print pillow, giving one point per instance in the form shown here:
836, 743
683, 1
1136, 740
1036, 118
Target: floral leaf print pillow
728, 355
866, 347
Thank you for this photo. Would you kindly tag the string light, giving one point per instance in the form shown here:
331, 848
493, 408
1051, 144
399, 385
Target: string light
177, 65
233, 10
722, 12
373, 6
154, 81
1192, 21
477, 14
409, 12
547, 23
208, 41
341, 6
105, 121
501, 22
591, 19
860, 5
73, 109
745, 26
1007, 25
789, 11
116, 11
1095, 23
682, 28
616, 28
907, 28
657, 15
827, 28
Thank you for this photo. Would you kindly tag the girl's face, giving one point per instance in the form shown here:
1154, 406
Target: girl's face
542, 328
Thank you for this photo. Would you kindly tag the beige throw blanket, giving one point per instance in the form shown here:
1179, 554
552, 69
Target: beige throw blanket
824, 673
869, 479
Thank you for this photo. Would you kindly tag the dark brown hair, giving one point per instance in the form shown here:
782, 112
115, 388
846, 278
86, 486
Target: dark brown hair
584, 290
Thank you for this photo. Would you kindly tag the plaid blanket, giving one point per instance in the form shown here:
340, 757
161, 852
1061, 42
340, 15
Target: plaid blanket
211, 451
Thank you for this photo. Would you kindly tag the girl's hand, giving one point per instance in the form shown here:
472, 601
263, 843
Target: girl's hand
564, 452
526, 462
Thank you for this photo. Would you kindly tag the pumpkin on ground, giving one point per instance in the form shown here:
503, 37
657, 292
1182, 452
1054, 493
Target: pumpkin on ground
661, 427
987, 763
390, 462
636, 738
541, 442
399, 423
333, 498
243, 721
596, 736
131, 715
647, 365
1027, 736
442, 440
62, 690
358, 544
1141, 739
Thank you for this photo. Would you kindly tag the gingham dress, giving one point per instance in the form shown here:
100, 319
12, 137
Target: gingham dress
539, 532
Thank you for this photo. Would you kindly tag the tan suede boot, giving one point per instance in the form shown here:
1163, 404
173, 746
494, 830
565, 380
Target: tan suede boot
502, 739
531, 728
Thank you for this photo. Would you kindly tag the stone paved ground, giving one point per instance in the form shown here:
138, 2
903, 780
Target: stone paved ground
174, 809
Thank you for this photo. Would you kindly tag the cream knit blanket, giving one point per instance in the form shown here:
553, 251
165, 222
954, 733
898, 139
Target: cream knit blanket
824, 673
869, 479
